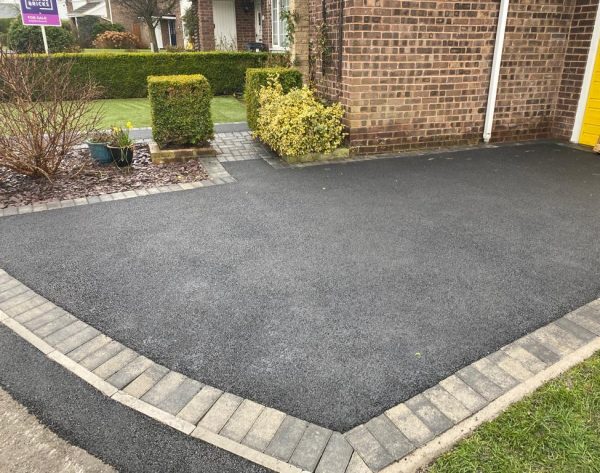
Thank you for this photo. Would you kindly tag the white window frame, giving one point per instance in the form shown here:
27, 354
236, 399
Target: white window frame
278, 41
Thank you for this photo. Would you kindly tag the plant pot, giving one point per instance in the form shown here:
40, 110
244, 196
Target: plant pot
121, 156
99, 152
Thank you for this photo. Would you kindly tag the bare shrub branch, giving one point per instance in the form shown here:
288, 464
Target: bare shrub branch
44, 113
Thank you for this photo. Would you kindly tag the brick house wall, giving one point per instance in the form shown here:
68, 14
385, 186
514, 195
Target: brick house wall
206, 27
327, 73
134, 25
244, 24
129, 21
299, 51
537, 34
416, 74
578, 45
267, 27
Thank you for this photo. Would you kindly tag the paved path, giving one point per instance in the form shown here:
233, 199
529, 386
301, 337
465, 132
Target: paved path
146, 133
26, 446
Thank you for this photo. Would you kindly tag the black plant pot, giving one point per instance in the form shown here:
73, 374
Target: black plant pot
121, 156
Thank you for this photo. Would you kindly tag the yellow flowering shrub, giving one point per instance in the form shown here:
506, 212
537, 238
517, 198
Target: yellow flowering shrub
297, 124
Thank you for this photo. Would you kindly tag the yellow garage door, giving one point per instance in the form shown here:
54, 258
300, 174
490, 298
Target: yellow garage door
590, 131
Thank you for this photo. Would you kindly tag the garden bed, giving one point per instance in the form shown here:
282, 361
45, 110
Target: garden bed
80, 176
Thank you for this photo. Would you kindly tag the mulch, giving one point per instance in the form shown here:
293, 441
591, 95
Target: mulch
81, 176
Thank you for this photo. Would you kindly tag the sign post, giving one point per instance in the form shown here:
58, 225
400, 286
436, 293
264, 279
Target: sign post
40, 13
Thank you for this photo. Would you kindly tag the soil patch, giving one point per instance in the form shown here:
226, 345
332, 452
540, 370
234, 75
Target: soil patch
81, 176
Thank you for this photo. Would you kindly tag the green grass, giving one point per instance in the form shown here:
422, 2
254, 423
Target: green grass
137, 111
555, 430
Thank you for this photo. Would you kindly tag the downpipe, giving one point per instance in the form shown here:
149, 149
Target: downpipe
495, 74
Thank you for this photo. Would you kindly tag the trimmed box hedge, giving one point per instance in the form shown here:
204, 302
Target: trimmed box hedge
180, 107
124, 76
257, 78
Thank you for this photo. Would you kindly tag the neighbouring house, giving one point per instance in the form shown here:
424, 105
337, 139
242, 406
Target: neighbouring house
9, 11
414, 74
169, 31
235, 24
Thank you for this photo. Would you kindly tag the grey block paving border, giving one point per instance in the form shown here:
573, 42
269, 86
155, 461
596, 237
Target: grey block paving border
402, 439
217, 175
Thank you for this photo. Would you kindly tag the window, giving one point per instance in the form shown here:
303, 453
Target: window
172, 33
279, 26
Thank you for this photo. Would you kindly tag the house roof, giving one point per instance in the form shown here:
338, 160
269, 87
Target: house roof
89, 8
9, 10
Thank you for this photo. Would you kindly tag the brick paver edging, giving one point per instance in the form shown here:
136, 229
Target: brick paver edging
217, 175
402, 439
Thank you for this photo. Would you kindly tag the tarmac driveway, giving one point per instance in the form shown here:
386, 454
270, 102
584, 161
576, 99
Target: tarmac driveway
329, 292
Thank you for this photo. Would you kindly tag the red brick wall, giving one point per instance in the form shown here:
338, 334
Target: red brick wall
131, 23
206, 27
578, 44
138, 27
266, 9
416, 73
534, 50
244, 23
326, 71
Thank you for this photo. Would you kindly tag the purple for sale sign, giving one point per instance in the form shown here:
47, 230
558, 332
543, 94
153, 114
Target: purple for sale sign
40, 12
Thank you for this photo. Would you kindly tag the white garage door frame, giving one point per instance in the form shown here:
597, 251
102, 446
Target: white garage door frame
587, 81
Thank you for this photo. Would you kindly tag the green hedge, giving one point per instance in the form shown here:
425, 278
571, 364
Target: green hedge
257, 78
180, 108
24, 39
125, 75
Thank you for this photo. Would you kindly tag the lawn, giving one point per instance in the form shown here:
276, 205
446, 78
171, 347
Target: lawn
556, 429
137, 111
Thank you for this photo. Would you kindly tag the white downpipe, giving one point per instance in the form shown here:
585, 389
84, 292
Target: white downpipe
495, 76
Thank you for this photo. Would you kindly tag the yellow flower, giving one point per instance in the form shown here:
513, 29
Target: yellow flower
129, 125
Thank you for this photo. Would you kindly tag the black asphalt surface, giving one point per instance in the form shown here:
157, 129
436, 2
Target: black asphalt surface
329, 292
121, 437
